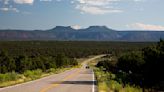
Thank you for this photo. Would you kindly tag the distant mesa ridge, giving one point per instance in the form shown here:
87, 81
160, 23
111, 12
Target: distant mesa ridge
66, 28
92, 33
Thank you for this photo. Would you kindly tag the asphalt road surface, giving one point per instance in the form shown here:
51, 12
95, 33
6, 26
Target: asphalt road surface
75, 80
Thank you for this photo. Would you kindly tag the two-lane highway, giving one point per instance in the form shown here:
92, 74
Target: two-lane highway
74, 80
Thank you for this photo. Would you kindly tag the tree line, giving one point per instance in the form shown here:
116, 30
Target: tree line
20, 56
143, 68
73, 49
22, 63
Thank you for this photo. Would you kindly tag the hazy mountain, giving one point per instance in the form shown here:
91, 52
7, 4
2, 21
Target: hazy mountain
92, 33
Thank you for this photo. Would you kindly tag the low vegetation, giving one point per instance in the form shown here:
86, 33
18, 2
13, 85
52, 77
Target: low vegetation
107, 82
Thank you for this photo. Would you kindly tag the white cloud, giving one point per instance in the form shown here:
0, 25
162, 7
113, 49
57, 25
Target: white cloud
138, 0
9, 9
50, 0
45, 0
96, 10
8, 5
24, 1
72, 2
101, 6
146, 26
4, 9
97, 6
96, 2
6, 2
76, 27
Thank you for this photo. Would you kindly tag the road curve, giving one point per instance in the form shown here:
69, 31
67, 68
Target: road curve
74, 80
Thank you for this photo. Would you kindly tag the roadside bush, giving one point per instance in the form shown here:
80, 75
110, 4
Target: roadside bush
51, 70
107, 82
132, 61
9, 77
114, 85
107, 65
129, 88
33, 74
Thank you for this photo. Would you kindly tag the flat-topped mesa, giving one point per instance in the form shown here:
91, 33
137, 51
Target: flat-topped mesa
62, 28
99, 28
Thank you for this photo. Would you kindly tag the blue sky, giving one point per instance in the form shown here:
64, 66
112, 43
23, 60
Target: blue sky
116, 14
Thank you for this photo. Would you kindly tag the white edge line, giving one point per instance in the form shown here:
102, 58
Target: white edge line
93, 77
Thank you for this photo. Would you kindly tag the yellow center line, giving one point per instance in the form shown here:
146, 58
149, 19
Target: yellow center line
55, 85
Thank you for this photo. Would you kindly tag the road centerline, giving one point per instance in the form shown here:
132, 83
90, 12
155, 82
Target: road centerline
55, 85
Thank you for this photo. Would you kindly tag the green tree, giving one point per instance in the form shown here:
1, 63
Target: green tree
153, 68
40, 63
60, 60
6, 63
131, 62
23, 63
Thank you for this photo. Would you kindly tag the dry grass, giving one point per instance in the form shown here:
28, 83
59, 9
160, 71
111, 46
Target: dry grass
30, 75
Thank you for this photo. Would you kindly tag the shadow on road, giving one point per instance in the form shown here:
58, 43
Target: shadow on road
75, 82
